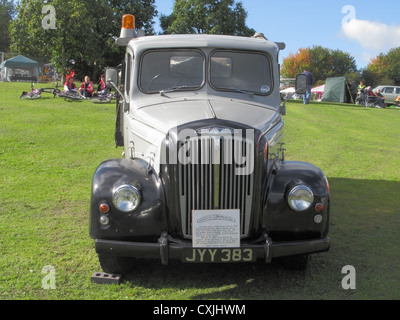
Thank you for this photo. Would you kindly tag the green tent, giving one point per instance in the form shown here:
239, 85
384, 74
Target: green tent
19, 68
336, 90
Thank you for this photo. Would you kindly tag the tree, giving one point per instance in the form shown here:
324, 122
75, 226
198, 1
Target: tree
342, 63
384, 69
369, 78
144, 11
392, 61
374, 73
84, 32
378, 65
6, 13
296, 63
321, 62
29, 36
210, 16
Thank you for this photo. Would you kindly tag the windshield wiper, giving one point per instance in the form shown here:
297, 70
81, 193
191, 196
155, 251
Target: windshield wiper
173, 89
250, 93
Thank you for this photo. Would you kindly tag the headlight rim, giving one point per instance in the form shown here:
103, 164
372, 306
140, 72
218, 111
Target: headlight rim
131, 188
292, 192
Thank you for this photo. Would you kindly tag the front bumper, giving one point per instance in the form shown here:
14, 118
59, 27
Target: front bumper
168, 249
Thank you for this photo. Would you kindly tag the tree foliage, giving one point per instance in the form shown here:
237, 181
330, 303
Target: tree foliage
207, 16
84, 32
321, 62
6, 13
384, 69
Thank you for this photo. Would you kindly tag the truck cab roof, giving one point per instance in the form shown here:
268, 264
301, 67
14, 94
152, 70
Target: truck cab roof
203, 41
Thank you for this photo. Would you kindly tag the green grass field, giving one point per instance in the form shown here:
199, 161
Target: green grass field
49, 149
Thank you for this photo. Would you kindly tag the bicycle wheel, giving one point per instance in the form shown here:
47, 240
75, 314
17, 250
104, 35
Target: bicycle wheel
71, 96
53, 91
56, 92
30, 96
100, 99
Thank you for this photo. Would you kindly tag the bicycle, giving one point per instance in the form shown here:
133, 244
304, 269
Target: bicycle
71, 95
103, 97
37, 93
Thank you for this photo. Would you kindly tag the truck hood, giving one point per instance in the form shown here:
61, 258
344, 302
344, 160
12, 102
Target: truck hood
168, 115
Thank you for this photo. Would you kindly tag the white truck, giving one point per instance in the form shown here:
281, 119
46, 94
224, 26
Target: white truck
203, 177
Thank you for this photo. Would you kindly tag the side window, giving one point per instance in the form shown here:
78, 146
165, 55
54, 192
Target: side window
128, 73
397, 90
389, 89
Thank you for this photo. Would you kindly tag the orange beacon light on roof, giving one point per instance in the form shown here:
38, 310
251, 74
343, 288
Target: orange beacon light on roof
128, 21
128, 26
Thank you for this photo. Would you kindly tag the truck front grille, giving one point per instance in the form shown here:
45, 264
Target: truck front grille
213, 179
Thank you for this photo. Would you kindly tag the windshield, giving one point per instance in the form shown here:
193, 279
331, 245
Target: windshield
164, 71
169, 70
246, 72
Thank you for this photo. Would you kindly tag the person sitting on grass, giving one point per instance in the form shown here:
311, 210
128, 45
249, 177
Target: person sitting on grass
87, 88
380, 98
69, 86
102, 88
102, 84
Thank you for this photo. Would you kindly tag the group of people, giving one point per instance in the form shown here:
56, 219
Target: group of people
360, 92
87, 88
364, 92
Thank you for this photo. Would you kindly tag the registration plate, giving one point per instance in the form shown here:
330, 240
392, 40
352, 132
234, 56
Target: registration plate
218, 255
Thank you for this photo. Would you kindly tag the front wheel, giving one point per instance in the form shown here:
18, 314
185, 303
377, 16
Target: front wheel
113, 264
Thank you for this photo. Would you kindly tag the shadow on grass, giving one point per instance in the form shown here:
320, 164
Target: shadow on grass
364, 232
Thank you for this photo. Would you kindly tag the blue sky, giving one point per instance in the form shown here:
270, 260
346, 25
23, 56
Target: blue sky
363, 28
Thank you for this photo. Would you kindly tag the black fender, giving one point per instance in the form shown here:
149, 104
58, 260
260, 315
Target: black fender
282, 222
147, 222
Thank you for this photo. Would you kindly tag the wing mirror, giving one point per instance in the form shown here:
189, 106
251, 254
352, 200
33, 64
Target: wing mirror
301, 84
111, 77
300, 88
112, 80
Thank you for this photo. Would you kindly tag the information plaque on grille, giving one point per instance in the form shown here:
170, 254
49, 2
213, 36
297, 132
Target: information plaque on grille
216, 228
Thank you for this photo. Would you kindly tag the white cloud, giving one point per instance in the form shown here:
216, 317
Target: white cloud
371, 35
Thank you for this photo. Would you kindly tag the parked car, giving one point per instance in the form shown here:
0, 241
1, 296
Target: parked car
389, 92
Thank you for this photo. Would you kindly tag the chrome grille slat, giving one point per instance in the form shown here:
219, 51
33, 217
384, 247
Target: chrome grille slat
205, 185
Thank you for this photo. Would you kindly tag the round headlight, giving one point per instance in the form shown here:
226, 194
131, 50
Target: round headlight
126, 198
300, 198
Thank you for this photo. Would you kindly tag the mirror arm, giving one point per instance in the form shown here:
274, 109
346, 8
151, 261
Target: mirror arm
283, 106
289, 96
115, 87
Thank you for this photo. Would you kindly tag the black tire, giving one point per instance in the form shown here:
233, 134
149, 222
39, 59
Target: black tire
298, 262
113, 264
